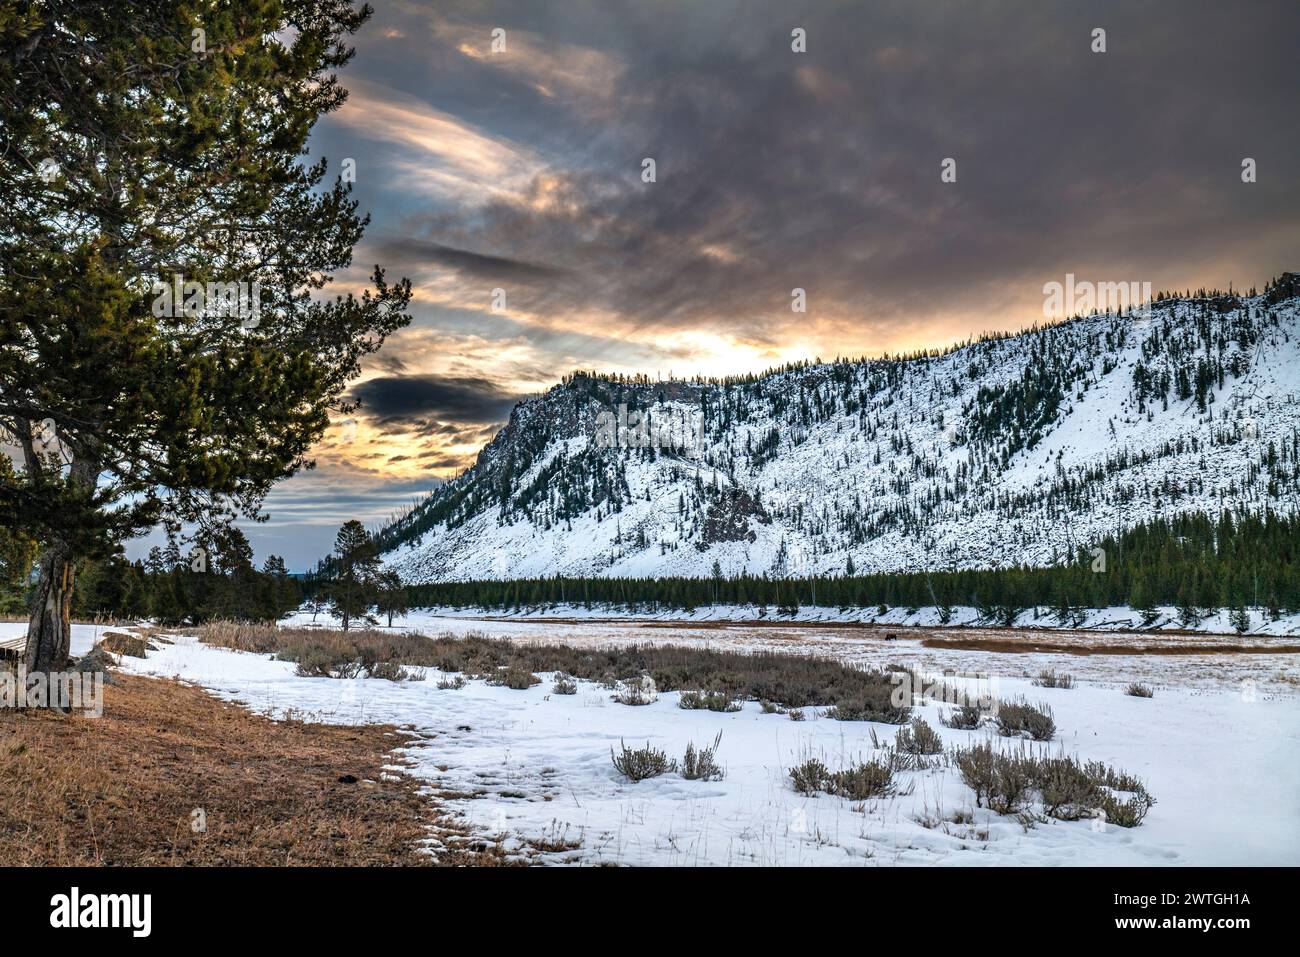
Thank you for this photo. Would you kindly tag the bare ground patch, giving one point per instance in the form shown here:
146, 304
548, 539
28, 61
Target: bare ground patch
123, 789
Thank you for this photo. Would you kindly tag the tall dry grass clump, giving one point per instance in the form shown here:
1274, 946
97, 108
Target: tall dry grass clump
788, 680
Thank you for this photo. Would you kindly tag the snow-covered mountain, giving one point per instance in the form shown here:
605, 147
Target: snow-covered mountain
1010, 450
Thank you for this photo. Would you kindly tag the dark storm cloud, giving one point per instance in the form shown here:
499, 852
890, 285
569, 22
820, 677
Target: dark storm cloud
412, 398
438, 460
821, 170
477, 265
390, 361
775, 170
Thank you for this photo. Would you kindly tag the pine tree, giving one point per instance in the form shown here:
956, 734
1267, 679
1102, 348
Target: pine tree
17, 557
164, 607
136, 152
355, 574
392, 596
280, 592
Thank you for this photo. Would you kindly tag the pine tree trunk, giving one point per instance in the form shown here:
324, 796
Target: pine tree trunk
49, 631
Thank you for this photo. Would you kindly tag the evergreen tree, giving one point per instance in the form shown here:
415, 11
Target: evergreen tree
135, 153
355, 575
17, 558
164, 606
392, 597
1140, 601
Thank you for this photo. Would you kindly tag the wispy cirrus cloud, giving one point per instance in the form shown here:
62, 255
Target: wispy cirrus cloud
585, 77
433, 151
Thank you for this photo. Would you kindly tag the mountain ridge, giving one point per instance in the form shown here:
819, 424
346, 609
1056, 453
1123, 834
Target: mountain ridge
1009, 450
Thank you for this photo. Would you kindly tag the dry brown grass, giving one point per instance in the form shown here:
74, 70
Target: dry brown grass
121, 789
795, 681
289, 643
1037, 646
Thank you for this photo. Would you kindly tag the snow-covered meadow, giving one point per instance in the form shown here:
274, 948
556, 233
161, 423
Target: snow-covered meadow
1116, 619
1217, 746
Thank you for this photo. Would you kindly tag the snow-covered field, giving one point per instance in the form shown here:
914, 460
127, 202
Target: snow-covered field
1218, 746
1118, 618
1161, 655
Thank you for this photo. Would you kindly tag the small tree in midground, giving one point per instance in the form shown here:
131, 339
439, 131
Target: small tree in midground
148, 153
354, 574
392, 595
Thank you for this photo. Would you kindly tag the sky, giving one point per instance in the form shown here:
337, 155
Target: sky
518, 174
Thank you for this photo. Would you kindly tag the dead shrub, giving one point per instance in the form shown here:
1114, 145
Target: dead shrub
120, 643
564, 684
787, 680
965, 717
857, 782
707, 701
515, 677
870, 708
1127, 811
918, 738
1067, 791
1053, 679
319, 662
1125, 799
702, 765
1001, 782
810, 777
637, 691
867, 779
1020, 717
641, 763
1139, 690
389, 671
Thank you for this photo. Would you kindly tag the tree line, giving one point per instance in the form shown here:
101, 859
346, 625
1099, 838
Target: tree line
216, 579
1193, 562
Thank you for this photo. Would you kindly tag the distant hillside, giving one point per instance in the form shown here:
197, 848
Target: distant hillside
1011, 450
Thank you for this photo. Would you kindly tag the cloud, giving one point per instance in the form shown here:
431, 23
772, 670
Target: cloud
820, 171
413, 398
479, 265
548, 66
433, 150
779, 170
